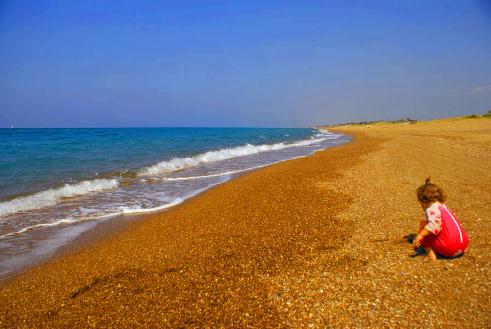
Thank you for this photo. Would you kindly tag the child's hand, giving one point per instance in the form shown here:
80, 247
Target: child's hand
417, 241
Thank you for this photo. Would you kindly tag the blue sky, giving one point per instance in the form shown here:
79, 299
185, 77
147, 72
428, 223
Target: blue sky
241, 63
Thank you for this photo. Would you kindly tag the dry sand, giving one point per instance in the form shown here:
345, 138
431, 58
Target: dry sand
312, 242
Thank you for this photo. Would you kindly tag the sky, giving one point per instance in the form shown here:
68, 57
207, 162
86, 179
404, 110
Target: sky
241, 63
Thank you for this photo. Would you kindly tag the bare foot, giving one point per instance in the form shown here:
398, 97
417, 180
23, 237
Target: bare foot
431, 254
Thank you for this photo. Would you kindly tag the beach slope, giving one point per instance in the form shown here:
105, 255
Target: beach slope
313, 241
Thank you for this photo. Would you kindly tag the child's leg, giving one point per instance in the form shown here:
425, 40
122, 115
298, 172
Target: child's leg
427, 243
430, 253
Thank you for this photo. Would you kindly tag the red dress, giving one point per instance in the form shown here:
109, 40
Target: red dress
448, 237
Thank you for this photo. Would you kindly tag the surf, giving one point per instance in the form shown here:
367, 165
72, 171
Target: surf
176, 164
53, 196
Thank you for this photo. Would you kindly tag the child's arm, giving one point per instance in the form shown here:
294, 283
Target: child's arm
417, 239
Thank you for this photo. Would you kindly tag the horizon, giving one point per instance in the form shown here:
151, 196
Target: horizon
169, 127
219, 64
255, 127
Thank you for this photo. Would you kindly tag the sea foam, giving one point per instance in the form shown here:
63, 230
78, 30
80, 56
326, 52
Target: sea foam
54, 196
176, 164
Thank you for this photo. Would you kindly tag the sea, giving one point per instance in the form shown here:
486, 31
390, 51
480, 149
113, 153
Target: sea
56, 184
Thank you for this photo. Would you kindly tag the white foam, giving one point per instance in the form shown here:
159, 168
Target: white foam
130, 211
223, 154
54, 196
329, 135
122, 211
226, 173
326, 134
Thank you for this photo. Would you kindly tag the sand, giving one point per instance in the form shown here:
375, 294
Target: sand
311, 242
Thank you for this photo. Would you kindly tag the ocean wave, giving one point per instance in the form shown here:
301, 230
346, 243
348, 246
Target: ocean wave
177, 164
120, 211
228, 173
321, 133
54, 196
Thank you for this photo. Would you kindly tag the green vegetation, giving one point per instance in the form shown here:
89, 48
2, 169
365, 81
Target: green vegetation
406, 120
475, 116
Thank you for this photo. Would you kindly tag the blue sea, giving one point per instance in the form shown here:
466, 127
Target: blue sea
57, 183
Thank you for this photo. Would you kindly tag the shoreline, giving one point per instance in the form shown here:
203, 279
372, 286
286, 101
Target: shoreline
103, 228
180, 222
312, 241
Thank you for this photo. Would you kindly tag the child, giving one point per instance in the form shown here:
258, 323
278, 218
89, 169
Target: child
441, 233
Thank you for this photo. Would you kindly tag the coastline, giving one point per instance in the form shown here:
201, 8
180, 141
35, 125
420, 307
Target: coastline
291, 244
99, 228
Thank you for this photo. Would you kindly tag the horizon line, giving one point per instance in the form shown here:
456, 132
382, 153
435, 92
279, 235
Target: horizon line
179, 127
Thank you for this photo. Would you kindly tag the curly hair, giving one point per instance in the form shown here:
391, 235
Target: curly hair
429, 192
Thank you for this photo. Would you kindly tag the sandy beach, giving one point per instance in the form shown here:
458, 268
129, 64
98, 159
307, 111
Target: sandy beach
312, 242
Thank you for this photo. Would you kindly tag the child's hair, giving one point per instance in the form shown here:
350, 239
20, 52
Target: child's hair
429, 192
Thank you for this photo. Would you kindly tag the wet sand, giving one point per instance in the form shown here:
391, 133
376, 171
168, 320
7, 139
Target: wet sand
316, 241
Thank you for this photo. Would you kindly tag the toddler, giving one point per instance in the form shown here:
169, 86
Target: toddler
441, 233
